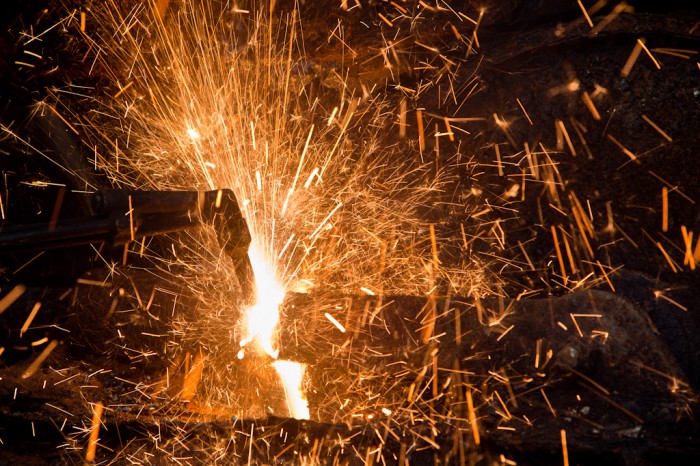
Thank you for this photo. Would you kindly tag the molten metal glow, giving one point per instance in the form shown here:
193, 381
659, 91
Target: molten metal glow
292, 374
261, 323
263, 316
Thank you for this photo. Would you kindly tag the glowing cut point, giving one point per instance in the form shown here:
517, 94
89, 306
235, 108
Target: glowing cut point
193, 133
263, 316
262, 319
292, 374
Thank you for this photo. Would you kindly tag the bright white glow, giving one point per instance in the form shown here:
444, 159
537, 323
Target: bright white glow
263, 316
261, 322
335, 322
292, 374
191, 132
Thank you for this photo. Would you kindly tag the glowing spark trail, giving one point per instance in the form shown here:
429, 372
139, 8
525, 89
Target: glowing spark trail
200, 95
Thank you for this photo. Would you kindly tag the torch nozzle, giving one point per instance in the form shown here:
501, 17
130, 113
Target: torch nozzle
122, 216
160, 212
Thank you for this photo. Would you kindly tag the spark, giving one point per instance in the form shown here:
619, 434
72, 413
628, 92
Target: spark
591, 106
12, 296
565, 450
632, 59
659, 294
94, 432
335, 322
648, 52
585, 13
472, 417
657, 128
30, 318
626, 151
549, 405
522, 107
664, 209
559, 255
670, 261
40, 359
